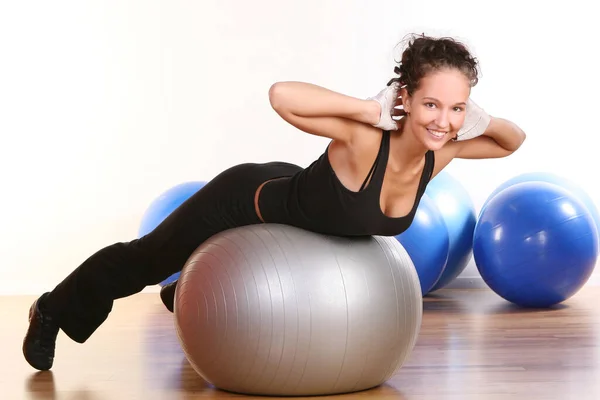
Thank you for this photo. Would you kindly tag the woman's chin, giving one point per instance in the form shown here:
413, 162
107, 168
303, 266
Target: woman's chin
434, 140
435, 144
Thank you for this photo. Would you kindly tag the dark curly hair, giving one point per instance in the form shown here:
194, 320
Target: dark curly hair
425, 54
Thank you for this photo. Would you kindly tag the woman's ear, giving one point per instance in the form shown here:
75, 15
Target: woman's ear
406, 100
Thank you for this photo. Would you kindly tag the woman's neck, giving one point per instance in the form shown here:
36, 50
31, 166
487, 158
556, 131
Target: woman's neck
406, 151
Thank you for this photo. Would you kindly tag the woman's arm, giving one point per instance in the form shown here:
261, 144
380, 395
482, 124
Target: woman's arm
505, 133
308, 100
500, 139
323, 112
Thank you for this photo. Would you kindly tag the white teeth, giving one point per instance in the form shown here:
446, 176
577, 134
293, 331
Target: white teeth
438, 134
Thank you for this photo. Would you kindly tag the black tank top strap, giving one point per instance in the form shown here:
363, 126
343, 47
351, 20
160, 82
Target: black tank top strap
366, 181
427, 171
383, 150
382, 160
430, 165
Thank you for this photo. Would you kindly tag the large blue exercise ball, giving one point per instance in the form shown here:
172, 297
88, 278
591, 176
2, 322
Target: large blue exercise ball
535, 244
427, 243
557, 180
458, 211
163, 206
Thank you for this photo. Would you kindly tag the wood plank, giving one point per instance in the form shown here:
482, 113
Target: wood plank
472, 345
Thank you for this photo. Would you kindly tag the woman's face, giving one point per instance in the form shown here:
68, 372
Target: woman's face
436, 110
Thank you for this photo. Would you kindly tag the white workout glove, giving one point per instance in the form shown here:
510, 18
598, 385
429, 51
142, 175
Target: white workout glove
387, 99
476, 122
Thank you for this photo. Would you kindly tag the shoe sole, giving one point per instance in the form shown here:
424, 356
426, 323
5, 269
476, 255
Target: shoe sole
24, 347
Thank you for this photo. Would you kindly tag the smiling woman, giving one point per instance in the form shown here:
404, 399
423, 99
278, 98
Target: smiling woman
432, 94
438, 109
368, 181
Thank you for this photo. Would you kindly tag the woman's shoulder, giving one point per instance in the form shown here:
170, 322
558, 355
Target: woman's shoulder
363, 146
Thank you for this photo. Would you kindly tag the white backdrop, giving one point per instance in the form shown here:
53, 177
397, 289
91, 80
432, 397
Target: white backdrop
105, 104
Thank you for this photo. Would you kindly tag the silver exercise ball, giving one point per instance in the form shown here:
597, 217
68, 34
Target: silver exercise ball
275, 310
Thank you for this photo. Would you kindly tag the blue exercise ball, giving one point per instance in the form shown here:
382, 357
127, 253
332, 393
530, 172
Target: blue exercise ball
427, 243
457, 209
535, 244
163, 206
557, 180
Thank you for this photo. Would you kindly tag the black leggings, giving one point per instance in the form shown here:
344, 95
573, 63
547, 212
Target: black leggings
82, 302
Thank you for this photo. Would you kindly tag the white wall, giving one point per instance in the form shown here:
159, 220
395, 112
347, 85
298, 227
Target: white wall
105, 104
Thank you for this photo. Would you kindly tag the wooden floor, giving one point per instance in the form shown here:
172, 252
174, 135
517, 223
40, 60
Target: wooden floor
472, 345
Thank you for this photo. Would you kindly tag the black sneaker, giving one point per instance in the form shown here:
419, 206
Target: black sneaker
40, 340
167, 295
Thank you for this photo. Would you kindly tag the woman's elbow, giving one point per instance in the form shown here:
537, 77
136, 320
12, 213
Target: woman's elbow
273, 93
277, 95
519, 136
507, 134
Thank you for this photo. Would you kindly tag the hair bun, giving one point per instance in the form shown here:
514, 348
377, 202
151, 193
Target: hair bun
426, 54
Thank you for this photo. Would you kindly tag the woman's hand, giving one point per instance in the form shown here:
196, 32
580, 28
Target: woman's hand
475, 124
387, 100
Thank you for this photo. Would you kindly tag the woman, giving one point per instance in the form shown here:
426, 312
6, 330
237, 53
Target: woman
369, 181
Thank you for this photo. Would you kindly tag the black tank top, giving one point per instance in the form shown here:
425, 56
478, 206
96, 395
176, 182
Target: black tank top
315, 199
